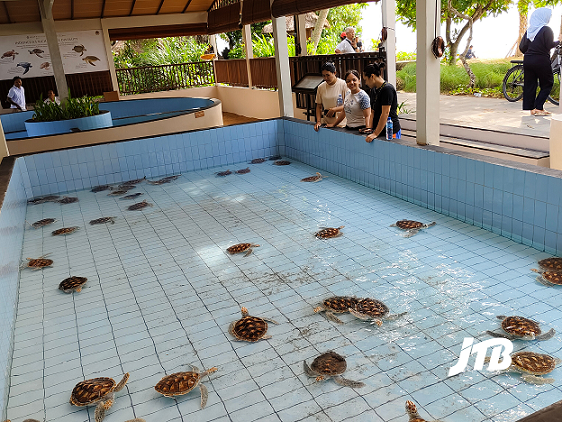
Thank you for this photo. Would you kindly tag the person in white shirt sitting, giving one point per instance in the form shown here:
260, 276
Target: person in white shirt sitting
16, 95
349, 44
51, 98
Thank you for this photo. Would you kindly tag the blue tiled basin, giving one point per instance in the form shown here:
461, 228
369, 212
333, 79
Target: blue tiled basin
66, 126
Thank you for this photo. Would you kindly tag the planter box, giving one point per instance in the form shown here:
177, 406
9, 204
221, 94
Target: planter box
67, 126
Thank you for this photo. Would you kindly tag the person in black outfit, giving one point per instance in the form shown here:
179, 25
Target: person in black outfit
384, 103
536, 45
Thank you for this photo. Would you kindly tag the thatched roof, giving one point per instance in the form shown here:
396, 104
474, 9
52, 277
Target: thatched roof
310, 19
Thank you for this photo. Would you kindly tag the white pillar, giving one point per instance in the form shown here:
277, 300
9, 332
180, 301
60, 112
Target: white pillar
301, 34
389, 22
109, 54
247, 40
48, 23
3, 145
213, 42
282, 67
427, 75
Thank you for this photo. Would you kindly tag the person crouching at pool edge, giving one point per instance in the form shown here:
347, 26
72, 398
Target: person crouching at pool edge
384, 103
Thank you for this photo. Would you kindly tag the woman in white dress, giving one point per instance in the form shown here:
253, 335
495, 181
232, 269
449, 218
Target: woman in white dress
356, 105
327, 95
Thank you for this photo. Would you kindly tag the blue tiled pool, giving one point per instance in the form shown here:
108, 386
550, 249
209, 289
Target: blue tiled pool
162, 291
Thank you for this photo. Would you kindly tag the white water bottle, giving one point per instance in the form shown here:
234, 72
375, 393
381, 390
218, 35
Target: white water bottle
340, 101
389, 129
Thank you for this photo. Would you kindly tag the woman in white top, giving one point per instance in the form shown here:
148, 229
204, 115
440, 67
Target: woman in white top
356, 106
327, 95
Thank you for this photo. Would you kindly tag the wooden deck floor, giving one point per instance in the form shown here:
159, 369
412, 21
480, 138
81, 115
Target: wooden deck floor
235, 119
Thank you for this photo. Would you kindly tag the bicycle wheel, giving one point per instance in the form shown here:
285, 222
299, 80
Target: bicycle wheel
555, 88
512, 86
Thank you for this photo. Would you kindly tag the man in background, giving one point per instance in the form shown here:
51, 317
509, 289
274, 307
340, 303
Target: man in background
349, 44
16, 95
470, 54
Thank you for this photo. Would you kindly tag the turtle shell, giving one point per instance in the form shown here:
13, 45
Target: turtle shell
340, 304
250, 328
134, 182
44, 222
520, 326
65, 231
117, 192
102, 220
274, 157
126, 186
100, 188
71, 283
409, 224
243, 171
178, 384
551, 264
39, 263
91, 391
328, 232
223, 173
138, 206
533, 363
240, 247
372, 307
329, 363
43, 199
170, 178
282, 163
311, 178
554, 277
257, 161
68, 200
133, 196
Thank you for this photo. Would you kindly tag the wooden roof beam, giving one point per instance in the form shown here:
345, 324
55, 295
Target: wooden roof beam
186, 6
160, 7
102, 9
7, 13
132, 7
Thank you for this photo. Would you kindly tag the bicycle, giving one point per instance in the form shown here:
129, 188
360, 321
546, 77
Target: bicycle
512, 86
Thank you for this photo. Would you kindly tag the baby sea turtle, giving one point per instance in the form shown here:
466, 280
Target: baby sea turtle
103, 220
67, 200
532, 365
282, 163
328, 232
316, 178
330, 365
117, 192
70, 284
223, 173
549, 278
65, 230
43, 199
241, 247
97, 390
173, 177
412, 412
42, 223
257, 161
374, 310
38, 263
100, 188
412, 227
250, 328
158, 182
133, 196
182, 383
551, 264
139, 206
274, 157
80, 49
134, 181
243, 171
126, 186
336, 305
45, 65
517, 327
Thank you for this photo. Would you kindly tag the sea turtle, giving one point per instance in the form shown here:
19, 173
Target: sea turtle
126, 186
65, 230
103, 220
70, 284
38, 263
412, 412
532, 365
243, 171
517, 327
241, 247
412, 227
336, 305
100, 188
223, 173
139, 206
43, 199
281, 163
91, 59
374, 310
67, 200
11, 53
97, 390
330, 365
551, 264
37, 52
328, 232
80, 49
274, 157
43, 222
250, 328
134, 181
549, 278
173, 177
158, 182
316, 178
257, 161
45, 65
25, 66
133, 196
182, 383
117, 192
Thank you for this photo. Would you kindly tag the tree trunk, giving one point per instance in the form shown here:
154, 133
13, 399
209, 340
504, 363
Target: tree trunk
468, 41
318, 29
523, 7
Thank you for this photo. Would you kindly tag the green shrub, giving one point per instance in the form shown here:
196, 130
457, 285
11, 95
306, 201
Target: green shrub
71, 108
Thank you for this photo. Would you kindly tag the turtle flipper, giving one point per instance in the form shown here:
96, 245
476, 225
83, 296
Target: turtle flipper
395, 316
269, 320
359, 314
99, 414
430, 224
533, 379
348, 383
500, 335
543, 281
122, 383
248, 252
501, 317
392, 225
231, 331
204, 395
546, 336
411, 232
307, 370
332, 317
